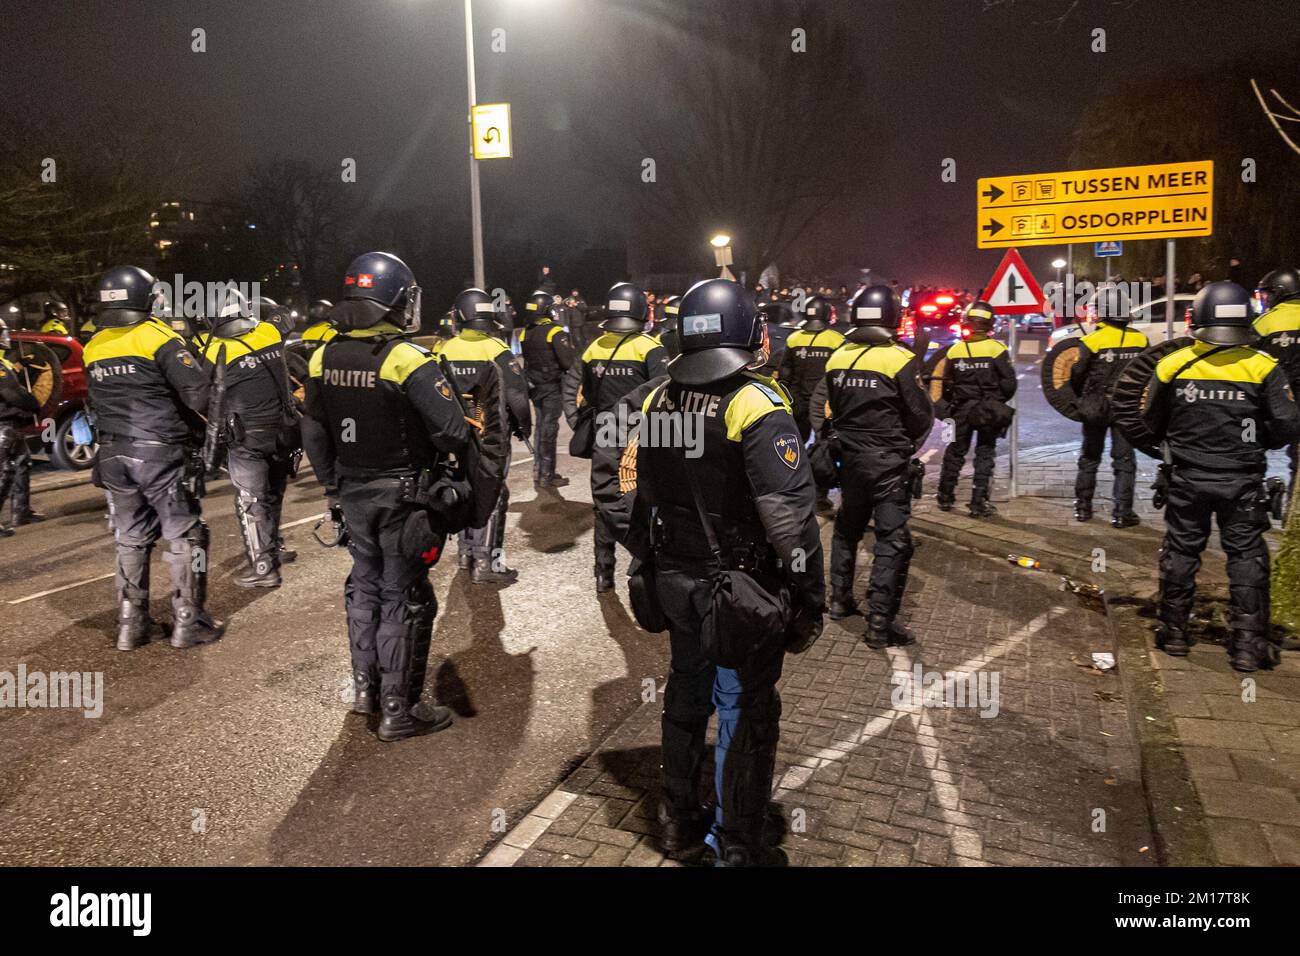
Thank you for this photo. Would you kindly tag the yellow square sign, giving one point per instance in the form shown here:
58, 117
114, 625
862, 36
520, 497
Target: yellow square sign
491, 130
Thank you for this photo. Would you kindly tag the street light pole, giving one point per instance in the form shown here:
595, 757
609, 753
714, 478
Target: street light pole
476, 202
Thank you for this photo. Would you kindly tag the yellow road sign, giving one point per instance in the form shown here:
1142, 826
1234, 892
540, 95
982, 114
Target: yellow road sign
1166, 201
491, 130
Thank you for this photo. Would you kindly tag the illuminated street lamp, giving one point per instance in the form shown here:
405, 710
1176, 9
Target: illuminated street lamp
1058, 264
722, 254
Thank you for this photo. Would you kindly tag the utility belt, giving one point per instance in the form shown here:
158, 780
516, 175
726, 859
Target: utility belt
149, 449
678, 538
1271, 493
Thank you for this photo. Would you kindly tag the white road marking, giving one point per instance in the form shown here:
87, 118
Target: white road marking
64, 587
799, 775
294, 524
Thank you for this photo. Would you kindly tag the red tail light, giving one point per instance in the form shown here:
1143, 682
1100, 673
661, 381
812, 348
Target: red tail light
929, 308
945, 300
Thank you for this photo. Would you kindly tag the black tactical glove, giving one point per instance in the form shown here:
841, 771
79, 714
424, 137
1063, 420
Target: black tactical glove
804, 628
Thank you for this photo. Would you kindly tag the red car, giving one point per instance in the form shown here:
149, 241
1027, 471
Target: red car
72, 444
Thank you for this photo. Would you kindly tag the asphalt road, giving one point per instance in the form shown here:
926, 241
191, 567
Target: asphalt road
245, 752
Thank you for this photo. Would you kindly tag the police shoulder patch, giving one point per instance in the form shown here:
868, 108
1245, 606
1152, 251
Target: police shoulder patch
443, 388
185, 358
787, 449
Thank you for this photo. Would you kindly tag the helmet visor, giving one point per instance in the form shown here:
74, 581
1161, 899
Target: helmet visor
411, 314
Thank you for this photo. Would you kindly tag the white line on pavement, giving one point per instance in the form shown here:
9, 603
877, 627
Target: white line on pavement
64, 587
797, 776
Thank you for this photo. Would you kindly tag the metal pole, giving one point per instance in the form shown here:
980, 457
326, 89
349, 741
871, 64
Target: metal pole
1169, 289
1108, 269
1069, 260
476, 202
1015, 418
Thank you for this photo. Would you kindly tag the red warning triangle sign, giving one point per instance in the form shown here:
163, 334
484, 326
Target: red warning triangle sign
1013, 290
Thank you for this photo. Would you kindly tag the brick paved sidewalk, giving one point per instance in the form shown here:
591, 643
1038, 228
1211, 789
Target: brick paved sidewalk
1051, 778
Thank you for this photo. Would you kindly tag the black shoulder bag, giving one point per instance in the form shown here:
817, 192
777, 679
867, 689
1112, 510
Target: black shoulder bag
583, 442
742, 618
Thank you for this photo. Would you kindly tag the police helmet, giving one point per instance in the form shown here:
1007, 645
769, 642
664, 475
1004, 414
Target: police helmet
539, 305
875, 313
626, 308
668, 313
979, 316
1278, 286
234, 314
447, 323
54, 310
268, 310
5, 340
378, 287
126, 296
817, 314
720, 330
319, 311
1221, 315
474, 309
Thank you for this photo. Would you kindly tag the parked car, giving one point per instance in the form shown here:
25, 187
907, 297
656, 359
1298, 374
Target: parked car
73, 445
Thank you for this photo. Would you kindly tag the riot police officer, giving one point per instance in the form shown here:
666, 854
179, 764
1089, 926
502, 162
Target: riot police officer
747, 476
1103, 355
319, 330
261, 427
978, 379
379, 413
881, 415
806, 352
1279, 333
146, 393
55, 319
619, 360
473, 353
781, 324
18, 408
1218, 405
548, 354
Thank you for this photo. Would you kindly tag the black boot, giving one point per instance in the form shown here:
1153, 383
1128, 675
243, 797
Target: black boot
732, 852
27, 517
982, 508
899, 636
402, 719
187, 561
193, 626
1249, 651
679, 832
945, 502
879, 633
841, 608
487, 571
1125, 520
135, 627
604, 580
365, 691
1082, 510
1174, 640
286, 555
260, 574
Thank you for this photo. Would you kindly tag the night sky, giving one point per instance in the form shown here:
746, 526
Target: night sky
383, 81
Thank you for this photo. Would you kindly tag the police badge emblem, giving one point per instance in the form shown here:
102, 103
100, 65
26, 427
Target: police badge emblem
787, 449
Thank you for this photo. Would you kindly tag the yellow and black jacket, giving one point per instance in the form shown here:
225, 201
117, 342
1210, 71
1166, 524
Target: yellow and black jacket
377, 405
804, 363
257, 380
143, 382
319, 332
17, 404
1219, 412
468, 352
1279, 333
748, 461
1103, 356
612, 366
55, 327
873, 396
978, 370
548, 352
